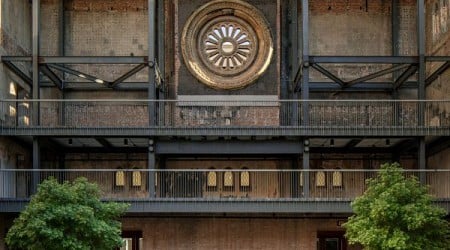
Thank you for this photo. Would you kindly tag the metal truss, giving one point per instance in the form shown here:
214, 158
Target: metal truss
54, 67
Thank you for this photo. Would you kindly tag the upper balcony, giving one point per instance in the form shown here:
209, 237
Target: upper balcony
225, 118
219, 191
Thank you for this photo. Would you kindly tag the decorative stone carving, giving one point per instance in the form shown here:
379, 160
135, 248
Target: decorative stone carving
227, 44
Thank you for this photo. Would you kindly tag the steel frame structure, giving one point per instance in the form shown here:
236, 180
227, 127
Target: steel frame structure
300, 63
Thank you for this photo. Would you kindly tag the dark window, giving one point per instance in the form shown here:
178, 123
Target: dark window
331, 241
132, 240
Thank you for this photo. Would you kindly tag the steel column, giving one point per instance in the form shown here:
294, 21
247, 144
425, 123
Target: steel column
36, 164
422, 159
151, 166
305, 86
421, 95
151, 55
305, 159
294, 57
35, 59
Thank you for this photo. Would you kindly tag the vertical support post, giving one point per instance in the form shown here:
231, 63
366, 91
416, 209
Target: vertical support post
305, 87
395, 19
293, 33
305, 61
421, 78
306, 167
422, 159
61, 52
395, 24
161, 57
36, 164
35, 59
151, 57
151, 167
421, 53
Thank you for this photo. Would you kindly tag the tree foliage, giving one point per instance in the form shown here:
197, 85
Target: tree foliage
396, 212
67, 216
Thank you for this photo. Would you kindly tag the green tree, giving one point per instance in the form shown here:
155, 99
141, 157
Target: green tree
67, 216
396, 212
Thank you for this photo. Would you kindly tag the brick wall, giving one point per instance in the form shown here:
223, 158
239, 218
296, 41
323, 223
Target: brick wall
352, 28
230, 233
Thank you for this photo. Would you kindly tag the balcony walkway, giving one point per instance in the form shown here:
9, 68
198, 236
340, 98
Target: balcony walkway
220, 191
225, 118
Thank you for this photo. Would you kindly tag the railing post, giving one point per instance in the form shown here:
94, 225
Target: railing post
36, 165
151, 168
422, 159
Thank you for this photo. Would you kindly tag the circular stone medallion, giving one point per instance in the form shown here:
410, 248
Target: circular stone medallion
227, 44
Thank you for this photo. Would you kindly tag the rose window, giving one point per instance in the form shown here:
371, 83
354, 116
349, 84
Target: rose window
227, 44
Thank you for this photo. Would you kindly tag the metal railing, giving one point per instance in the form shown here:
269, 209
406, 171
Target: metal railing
217, 185
324, 115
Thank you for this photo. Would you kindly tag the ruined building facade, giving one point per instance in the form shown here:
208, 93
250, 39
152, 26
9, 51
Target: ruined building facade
225, 124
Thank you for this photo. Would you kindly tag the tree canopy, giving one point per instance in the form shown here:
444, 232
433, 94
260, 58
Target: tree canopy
67, 216
396, 212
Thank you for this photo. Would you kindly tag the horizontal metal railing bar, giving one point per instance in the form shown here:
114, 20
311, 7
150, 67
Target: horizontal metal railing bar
223, 170
255, 100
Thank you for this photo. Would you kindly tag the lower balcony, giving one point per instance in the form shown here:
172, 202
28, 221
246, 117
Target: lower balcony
219, 191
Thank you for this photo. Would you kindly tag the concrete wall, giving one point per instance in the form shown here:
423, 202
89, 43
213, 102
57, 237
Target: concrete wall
230, 233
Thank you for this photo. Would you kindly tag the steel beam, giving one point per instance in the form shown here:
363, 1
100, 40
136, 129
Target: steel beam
127, 75
105, 143
365, 59
364, 85
94, 59
376, 74
437, 73
18, 72
86, 86
52, 76
17, 58
405, 76
78, 74
229, 147
437, 58
328, 74
421, 95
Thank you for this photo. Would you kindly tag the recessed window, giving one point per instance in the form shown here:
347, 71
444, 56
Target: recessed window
337, 179
244, 180
136, 179
119, 178
211, 180
228, 181
321, 179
